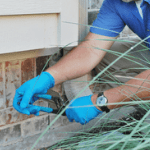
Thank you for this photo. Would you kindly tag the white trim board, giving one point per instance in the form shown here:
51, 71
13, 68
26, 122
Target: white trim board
21, 7
27, 25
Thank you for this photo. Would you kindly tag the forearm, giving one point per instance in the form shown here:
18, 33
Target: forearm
80, 60
75, 64
139, 87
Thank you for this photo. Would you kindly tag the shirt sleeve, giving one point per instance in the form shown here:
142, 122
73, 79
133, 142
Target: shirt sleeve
108, 22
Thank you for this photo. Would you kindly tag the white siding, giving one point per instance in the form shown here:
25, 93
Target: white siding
19, 7
28, 32
37, 24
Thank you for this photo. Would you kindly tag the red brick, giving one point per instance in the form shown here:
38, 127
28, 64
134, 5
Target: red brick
10, 134
35, 125
27, 69
1, 80
10, 116
2, 101
12, 80
40, 64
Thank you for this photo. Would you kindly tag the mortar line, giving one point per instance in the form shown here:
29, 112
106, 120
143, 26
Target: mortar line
4, 83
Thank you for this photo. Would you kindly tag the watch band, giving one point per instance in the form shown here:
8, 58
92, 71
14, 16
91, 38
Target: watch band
103, 108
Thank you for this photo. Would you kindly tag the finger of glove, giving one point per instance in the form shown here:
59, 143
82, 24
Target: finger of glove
37, 96
33, 99
45, 96
76, 120
37, 114
33, 109
23, 111
68, 115
17, 99
83, 122
79, 118
26, 98
46, 109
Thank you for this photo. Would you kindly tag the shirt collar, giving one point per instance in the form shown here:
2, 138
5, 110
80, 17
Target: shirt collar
133, 0
147, 1
127, 1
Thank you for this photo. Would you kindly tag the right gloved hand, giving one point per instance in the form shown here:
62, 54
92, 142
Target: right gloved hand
38, 85
82, 110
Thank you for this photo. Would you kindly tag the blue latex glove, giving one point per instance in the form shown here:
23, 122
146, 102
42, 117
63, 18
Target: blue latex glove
32, 109
38, 85
81, 114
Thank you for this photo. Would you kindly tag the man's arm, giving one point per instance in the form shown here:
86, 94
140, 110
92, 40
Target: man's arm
81, 59
133, 89
139, 87
75, 64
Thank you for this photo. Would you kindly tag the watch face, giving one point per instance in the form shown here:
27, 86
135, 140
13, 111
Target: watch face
101, 100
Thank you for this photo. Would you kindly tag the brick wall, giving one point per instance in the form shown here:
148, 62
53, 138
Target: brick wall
14, 126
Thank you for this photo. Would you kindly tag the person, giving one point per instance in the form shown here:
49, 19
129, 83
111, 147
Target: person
112, 18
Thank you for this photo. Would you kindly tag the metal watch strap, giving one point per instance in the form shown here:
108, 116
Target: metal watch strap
103, 108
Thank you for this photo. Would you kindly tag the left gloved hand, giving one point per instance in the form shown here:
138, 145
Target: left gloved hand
81, 114
24, 96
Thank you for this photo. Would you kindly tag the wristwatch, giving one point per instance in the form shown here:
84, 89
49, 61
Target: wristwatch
101, 99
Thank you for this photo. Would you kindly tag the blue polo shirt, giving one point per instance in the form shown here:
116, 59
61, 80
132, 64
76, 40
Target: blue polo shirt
115, 14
